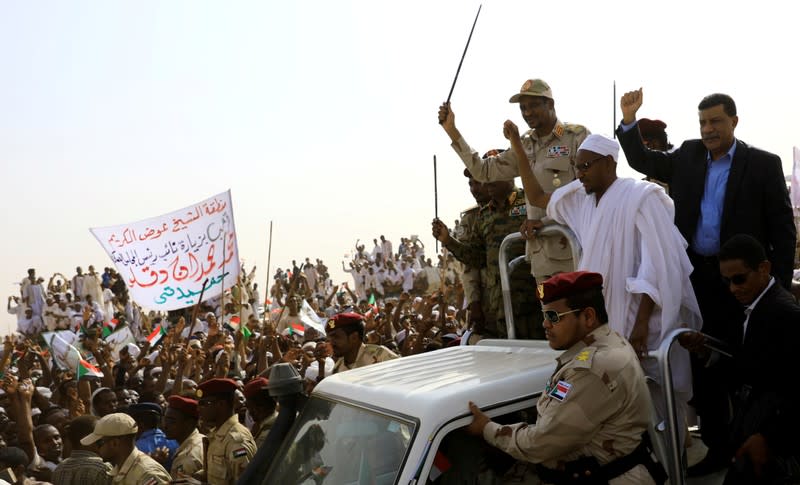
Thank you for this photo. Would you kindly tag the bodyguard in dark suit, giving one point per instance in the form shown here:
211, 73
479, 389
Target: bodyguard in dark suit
763, 432
721, 187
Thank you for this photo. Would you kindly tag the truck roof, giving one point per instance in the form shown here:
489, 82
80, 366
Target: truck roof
438, 384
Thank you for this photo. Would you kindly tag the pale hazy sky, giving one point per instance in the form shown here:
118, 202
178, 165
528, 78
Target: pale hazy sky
321, 115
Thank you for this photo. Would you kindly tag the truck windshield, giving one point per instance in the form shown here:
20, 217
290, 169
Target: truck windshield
336, 443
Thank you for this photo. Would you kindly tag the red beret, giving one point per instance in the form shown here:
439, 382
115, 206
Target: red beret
493, 153
651, 127
563, 285
255, 386
217, 385
341, 320
183, 404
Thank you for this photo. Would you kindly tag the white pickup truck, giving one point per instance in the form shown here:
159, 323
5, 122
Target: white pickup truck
400, 422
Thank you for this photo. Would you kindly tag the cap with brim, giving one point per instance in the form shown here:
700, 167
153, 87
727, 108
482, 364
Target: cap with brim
144, 408
116, 424
533, 87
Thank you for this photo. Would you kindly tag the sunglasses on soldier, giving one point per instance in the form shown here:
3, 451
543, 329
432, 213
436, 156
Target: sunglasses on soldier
554, 317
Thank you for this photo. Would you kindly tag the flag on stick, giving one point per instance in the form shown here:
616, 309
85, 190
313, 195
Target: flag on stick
297, 329
109, 327
85, 369
156, 335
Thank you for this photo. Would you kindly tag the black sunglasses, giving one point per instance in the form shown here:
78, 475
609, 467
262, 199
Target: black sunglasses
737, 279
585, 165
554, 317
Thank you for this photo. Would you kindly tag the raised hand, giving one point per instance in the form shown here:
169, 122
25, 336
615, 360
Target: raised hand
630, 103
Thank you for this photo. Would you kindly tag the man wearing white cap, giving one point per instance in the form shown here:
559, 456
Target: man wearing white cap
115, 436
626, 232
549, 148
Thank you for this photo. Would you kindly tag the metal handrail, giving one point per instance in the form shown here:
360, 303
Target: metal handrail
506, 267
675, 466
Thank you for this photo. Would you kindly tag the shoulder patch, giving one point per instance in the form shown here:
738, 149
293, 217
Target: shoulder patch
240, 452
574, 127
584, 358
518, 210
561, 390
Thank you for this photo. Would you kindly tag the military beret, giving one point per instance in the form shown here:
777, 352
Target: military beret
218, 385
342, 320
563, 285
651, 127
144, 407
255, 386
183, 404
493, 153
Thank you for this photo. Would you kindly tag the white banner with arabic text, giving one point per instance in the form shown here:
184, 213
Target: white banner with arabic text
165, 260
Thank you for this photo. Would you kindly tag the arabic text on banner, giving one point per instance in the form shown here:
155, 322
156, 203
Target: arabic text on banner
165, 260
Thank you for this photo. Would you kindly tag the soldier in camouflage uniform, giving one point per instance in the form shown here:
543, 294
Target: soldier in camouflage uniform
550, 145
596, 407
501, 216
472, 277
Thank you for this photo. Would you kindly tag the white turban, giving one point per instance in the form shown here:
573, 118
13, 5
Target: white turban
602, 145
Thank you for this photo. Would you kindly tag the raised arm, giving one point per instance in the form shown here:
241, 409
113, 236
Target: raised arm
533, 191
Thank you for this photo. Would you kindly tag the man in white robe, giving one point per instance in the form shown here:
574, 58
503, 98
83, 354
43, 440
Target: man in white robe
77, 283
92, 287
625, 228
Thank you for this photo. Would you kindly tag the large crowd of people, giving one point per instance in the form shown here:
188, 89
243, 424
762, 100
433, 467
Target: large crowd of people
97, 388
145, 371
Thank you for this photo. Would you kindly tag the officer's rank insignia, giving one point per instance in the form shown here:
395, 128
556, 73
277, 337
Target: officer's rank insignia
559, 129
519, 210
540, 290
558, 151
240, 452
561, 390
583, 356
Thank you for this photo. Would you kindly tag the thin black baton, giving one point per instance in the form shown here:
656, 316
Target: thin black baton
436, 196
464, 54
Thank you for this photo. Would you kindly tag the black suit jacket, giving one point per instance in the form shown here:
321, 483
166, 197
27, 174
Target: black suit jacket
756, 198
766, 362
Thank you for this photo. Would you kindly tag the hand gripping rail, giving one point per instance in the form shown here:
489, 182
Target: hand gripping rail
507, 267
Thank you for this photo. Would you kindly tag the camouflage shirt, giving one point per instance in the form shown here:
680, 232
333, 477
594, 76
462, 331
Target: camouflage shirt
483, 251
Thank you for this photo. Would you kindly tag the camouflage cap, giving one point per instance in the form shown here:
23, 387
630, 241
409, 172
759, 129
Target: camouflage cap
533, 87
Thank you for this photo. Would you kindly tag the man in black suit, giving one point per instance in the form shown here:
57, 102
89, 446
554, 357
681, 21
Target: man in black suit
763, 433
721, 187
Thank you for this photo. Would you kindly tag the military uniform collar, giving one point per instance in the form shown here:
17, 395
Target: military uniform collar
225, 427
189, 441
512, 197
127, 464
600, 332
558, 131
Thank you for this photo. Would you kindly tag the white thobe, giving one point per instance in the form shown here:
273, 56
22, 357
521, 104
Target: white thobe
629, 238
